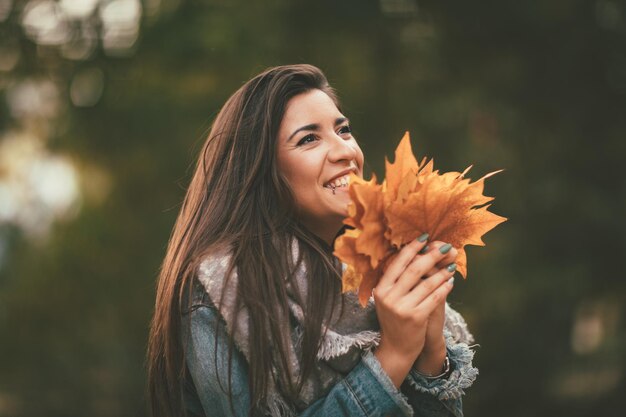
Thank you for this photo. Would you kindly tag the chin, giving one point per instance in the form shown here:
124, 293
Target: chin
338, 208
339, 215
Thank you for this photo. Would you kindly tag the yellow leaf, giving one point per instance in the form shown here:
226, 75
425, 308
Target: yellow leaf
351, 280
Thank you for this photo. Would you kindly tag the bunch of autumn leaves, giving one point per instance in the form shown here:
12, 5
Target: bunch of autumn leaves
412, 200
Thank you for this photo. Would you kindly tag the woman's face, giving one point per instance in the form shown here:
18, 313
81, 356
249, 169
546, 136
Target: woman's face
317, 153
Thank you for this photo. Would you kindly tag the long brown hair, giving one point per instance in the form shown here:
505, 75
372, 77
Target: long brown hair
238, 199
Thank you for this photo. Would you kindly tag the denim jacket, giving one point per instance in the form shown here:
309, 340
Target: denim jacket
365, 391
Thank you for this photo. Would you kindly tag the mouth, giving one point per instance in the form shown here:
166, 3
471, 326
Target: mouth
341, 181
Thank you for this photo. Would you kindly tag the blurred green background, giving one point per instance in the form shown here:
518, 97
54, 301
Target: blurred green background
104, 105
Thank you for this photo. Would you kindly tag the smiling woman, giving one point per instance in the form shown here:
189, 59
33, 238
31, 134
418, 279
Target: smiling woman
249, 316
316, 154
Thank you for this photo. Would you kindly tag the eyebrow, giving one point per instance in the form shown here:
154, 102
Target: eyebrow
315, 126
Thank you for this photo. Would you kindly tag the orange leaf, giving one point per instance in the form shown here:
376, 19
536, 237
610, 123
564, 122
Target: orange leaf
445, 208
371, 241
351, 280
356, 208
461, 262
413, 199
368, 283
345, 249
404, 164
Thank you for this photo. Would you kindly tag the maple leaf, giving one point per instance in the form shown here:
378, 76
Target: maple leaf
414, 199
371, 241
345, 249
447, 208
404, 168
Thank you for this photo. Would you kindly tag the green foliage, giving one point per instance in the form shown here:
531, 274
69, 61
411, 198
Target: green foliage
537, 88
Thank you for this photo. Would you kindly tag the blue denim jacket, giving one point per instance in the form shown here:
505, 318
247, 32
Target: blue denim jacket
365, 391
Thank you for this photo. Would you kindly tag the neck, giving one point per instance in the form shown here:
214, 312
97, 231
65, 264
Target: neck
326, 230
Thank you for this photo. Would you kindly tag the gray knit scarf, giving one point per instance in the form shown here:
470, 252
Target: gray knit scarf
348, 335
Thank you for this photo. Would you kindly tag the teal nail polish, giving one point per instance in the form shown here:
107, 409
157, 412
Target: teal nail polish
451, 267
424, 249
445, 248
423, 237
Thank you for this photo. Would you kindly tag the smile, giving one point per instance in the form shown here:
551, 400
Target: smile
338, 183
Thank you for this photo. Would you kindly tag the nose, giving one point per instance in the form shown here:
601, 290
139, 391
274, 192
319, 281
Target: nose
341, 149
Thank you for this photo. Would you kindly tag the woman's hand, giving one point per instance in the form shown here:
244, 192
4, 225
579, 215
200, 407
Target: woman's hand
404, 303
431, 360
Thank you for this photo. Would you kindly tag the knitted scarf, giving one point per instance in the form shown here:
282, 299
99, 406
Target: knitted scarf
348, 335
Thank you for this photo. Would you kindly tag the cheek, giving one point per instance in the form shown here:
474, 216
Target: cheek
359, 155
301, 175
303, 178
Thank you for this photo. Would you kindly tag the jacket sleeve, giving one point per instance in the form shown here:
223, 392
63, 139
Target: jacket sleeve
442, 397
366, 391
207, 365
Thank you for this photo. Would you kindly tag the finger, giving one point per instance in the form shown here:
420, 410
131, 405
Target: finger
439, 267
417, 269
426, 287
399, 264
426, 302
450, 256
448, 259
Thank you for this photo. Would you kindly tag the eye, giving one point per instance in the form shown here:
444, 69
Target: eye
345, 129
307, 139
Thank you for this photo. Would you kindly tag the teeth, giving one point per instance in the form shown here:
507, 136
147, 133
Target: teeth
339, 182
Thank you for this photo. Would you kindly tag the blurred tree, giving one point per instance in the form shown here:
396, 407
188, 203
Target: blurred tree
537, 88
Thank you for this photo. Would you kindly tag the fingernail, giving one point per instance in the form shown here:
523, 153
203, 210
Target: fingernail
445, 248
423, 237
424, 249
451, 281
451, 267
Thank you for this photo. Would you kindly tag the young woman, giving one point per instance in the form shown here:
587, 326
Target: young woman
249, 316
